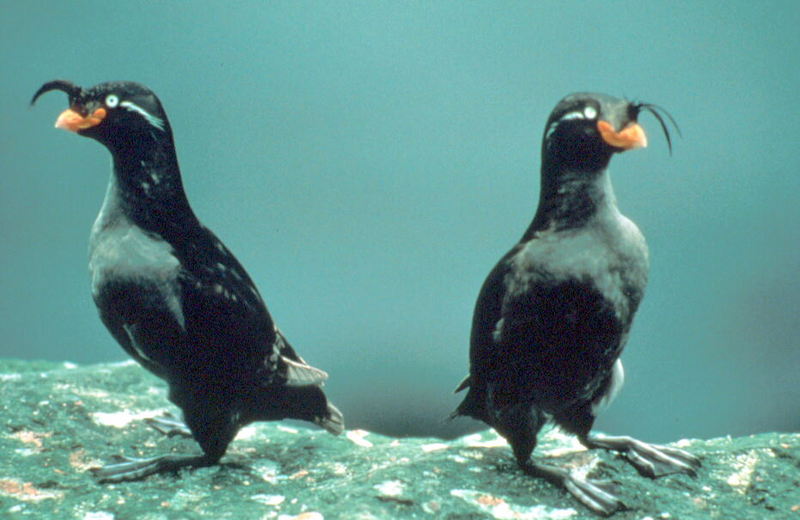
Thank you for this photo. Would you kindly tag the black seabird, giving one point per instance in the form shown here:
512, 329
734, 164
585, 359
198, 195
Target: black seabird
174, 296
554, 314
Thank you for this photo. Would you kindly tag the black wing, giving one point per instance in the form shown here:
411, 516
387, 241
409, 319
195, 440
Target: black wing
483, 353
228, 328
228, 322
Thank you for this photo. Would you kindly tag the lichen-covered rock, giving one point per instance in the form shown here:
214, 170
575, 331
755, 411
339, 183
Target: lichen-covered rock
60, 420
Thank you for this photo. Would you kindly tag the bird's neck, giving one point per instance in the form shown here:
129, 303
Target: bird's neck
146, 189
569, 199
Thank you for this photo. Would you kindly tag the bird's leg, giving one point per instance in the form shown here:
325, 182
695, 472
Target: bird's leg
651, 460
167, 425
213, 431
137, 469
597, 495
519, 424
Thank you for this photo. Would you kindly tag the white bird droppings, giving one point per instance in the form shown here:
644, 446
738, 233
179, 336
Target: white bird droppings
434, 446
391, 488
124, 418
268, 500
98, 515
358, 437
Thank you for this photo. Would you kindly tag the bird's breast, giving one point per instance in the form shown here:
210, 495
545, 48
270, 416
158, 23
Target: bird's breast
608, 255
125, 255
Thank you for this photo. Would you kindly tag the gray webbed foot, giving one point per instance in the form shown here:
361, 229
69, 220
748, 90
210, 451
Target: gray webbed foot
169, 426
136, 469
651, 460
597, 495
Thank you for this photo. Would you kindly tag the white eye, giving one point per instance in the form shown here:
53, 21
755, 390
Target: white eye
590, 112
112, 100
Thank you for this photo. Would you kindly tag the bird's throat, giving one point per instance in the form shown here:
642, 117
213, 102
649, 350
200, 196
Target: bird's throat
569, 200
149, 189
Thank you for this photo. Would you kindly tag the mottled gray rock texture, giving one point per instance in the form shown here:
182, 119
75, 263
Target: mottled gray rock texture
59, 420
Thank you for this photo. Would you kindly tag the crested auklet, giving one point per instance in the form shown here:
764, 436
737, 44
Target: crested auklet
174, 296
554, 314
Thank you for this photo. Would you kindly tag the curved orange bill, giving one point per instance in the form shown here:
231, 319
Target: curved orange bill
630, 137
74, 121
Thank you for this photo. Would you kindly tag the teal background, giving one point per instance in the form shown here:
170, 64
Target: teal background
369, 162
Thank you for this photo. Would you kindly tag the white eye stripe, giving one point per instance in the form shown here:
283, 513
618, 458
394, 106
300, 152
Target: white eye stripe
112, 100
588, 112
573, 115
153, 120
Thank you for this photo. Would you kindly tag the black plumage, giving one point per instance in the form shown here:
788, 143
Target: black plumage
174, 296
553, 316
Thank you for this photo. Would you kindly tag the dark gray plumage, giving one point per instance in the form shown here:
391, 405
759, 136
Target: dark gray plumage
553, 316
174, 296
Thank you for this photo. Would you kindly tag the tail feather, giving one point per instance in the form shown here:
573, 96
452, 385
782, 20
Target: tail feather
465, 383
334, 422
473, 405
306, 403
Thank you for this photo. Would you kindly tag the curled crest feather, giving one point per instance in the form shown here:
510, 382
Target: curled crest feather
72, 90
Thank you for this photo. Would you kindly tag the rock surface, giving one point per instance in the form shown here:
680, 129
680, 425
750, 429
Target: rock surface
59, 420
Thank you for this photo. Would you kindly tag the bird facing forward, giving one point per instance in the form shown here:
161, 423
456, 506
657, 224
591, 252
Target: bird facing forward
554, 314
174, 296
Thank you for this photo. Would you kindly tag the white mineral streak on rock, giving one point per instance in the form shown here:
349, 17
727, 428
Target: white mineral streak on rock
745, 465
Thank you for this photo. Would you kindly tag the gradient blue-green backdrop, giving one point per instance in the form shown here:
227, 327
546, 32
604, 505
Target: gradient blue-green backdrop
368, 162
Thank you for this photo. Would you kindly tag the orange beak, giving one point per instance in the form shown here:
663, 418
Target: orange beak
630, 137
73, 121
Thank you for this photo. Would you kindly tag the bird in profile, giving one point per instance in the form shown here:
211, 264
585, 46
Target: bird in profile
553, 316
174, 297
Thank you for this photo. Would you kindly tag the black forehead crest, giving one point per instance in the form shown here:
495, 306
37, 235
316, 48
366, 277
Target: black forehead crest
580, 100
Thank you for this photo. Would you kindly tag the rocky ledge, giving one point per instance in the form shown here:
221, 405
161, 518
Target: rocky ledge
60, 420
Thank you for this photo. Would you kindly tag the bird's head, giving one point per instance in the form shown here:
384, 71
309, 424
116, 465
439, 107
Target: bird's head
585, 130
117, 114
